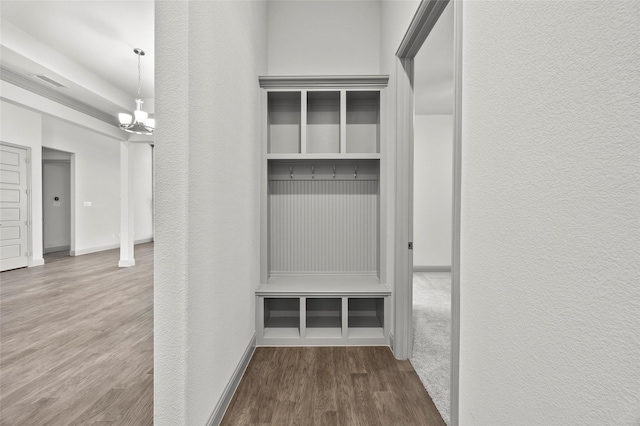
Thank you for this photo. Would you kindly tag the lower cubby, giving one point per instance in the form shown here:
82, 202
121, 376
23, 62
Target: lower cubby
366, 317
327, 311
324, 318
281, 318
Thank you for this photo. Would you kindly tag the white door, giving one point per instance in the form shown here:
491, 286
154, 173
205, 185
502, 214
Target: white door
13, 208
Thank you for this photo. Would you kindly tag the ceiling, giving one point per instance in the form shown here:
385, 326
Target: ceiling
85, 45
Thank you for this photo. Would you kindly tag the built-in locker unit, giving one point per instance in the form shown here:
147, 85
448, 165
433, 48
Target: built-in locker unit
323, 227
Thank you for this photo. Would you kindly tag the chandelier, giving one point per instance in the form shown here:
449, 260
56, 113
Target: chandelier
139, 123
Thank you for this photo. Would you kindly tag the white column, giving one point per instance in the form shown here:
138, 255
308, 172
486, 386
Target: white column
126, 205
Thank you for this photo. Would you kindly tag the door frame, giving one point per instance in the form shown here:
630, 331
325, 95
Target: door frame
423, 22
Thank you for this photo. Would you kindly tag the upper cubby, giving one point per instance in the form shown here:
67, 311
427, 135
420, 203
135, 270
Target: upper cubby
284, 121
323, 117
363, 122
323, 122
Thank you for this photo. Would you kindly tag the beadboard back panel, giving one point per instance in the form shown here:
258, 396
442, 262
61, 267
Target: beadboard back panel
325, 226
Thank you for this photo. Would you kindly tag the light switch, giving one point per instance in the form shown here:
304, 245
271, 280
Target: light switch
87, 203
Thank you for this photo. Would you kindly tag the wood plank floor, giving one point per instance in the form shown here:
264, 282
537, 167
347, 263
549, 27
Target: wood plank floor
76, 341
76, 348
330, 386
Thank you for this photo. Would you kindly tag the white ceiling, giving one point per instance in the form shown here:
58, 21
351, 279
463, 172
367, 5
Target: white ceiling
433, 69
86, 45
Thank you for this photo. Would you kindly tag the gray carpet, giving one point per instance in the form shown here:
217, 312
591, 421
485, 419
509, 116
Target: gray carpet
432, 335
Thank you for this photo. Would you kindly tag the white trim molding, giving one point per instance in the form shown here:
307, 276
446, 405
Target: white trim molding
106, 247
456, 222
403, 295
318, 81
421, 25
432, 268
224, 401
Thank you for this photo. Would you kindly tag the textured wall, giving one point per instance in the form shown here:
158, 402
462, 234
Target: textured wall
550, 294
171, 213
324, 37
208, 57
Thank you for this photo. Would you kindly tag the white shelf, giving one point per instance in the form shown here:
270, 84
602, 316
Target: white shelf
324, 156
366, 333
356, 321
281, 333
323, 285
324, 333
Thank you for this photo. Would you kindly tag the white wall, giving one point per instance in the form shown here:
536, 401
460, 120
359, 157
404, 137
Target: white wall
23, 127
550, 240
433, 171
324, 37
208, 57
95, 179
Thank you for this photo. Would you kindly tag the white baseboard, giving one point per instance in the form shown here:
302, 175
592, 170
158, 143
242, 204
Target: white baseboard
106, 247
432, 268
37, 262
223, 403
56, 249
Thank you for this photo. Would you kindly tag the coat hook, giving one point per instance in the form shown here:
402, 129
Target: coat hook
313, 172
355, 172
334, 172
291, 172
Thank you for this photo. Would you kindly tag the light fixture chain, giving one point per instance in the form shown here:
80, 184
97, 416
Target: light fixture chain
139, 84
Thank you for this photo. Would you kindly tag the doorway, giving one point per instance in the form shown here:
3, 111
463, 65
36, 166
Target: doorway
432, 201
56, 202
428, 13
